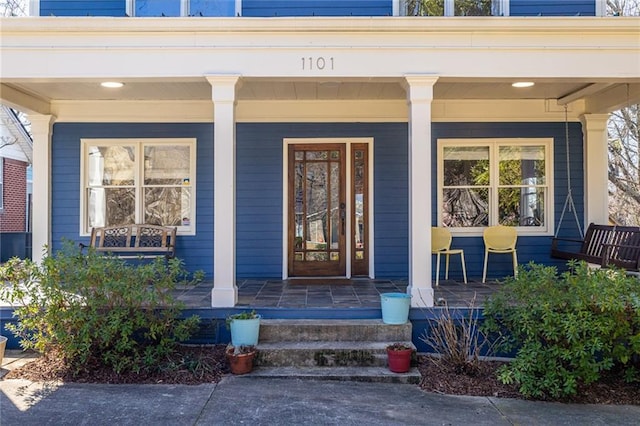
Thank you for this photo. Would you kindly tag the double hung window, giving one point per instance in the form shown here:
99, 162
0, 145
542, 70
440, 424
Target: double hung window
142, 181
484, 182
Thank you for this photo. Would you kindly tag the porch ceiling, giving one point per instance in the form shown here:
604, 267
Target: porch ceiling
326, 89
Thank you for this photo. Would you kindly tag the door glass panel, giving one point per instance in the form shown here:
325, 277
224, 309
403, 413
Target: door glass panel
335, 205
299, 205
335, 256
358, 187
317, 203
317, 256
317, 155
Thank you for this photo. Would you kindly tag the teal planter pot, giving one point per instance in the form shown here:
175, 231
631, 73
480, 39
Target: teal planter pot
245, 332
395, 307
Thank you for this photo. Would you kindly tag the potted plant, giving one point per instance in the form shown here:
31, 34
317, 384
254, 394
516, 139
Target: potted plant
245, 328
399, 357
241, 358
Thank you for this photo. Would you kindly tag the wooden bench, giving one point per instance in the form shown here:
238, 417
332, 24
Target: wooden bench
604, 245
134, 241
626, 256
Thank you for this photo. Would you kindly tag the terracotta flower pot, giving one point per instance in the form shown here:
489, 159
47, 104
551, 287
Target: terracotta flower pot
241, 363
399, 359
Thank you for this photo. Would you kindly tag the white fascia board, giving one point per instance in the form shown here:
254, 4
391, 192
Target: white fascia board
288, 111
372, 47
277, 62
613, 98
22, 101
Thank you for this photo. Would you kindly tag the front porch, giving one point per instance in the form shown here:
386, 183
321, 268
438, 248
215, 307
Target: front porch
258, 293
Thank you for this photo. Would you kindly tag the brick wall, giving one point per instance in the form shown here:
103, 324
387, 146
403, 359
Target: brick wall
13, 214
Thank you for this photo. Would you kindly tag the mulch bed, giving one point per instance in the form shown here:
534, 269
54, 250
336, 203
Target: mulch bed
190, 365
611, 389
193, 365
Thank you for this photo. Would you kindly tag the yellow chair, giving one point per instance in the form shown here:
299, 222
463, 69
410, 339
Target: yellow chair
441, 244
500, 239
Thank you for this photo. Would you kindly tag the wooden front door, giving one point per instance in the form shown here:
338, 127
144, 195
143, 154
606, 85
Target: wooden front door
317, 210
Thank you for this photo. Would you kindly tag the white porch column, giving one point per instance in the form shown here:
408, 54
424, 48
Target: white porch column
596, 158
419, 96
225, 291
41, 132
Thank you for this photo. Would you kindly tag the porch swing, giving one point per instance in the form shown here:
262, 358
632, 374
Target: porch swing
600, 244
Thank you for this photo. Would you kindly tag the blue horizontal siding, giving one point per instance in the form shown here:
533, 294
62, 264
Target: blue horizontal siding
197, 250
267, 8
82, 8
259, 183
536, 249
552, 8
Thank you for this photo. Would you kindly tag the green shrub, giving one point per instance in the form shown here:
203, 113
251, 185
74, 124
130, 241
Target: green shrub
94, 308
567, 328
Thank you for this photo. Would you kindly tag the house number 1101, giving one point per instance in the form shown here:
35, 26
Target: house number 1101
320, 63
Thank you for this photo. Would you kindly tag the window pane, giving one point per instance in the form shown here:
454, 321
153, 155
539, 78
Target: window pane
425, 7
157, 8
111, 165
522, 165
167, 206
465, 207
521, 206
466, 166
212, 8
474, 7
166, 165
111, 206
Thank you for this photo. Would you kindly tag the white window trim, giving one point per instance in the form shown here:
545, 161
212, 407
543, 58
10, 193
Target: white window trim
34, 7
493, 143
139, 144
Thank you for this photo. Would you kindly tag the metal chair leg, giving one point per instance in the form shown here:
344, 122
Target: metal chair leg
464, 268
484, 270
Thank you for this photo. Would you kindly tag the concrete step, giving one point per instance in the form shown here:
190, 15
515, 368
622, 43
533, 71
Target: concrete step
299, 330
323, 354
358, 374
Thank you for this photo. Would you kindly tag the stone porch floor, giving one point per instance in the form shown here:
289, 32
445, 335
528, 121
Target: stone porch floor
358, 293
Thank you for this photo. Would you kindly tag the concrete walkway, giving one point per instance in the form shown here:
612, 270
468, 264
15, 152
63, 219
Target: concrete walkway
238, 400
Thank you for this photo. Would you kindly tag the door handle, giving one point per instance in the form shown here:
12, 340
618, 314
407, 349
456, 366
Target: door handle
343, 216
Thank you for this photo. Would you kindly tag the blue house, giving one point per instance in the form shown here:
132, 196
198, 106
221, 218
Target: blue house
320, 137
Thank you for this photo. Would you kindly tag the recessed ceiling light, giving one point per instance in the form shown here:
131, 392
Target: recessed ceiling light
523, 84
112, 84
